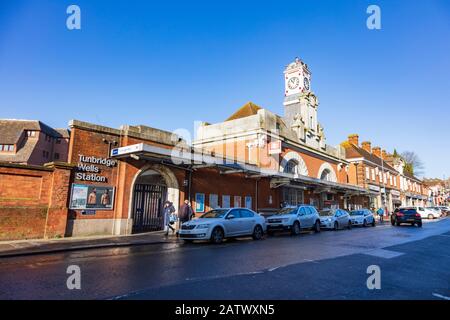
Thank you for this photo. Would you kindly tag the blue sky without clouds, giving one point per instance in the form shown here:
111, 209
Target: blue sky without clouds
168, 64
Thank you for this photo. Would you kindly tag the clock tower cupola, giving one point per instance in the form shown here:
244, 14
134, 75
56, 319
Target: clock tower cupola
300, 104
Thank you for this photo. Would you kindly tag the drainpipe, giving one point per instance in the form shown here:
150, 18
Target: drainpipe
189, 185
256, 195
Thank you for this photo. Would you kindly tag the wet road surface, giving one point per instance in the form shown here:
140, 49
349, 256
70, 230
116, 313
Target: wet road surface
330, 265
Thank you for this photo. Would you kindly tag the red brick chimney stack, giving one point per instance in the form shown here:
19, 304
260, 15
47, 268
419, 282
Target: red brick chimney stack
367, 145
353, 139
376, 151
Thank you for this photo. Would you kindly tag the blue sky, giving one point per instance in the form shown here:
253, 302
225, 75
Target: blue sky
167, 65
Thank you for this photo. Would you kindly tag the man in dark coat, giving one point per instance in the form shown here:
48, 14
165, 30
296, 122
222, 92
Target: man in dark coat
186, 212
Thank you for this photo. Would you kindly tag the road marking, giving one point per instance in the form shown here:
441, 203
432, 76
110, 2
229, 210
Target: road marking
224, 276
437, 295
381, 253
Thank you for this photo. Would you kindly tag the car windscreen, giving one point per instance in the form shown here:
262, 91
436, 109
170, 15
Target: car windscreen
216, 213
287, 211
326, 213
357, 213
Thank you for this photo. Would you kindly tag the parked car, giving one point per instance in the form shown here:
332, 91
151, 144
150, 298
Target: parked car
437, 210
218, 224
363, 217
409, 215
335, 219
294, 219
445, 210
425, 213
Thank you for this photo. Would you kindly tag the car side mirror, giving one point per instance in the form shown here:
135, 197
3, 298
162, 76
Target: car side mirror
230, 216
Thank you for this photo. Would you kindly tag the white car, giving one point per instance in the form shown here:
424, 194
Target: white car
335, 219
363, 217
425, 212
294, 219
218, 224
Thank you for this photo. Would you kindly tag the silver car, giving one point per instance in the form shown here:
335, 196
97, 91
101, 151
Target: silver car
294, 219
218, 224
335, 219
363, 217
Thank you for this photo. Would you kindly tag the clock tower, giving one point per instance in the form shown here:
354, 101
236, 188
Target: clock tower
300, 104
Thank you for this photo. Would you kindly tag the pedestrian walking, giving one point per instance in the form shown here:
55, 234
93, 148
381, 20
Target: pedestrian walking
380, 213
186, 213
169, 217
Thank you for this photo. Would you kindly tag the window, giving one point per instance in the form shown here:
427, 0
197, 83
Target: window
367, 173
45, 154
291, 167
57, 156
373, 174
246, 213
6, 147
326, 175
31, 133
58, 141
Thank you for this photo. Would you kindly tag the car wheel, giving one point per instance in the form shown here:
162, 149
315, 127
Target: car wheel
349, 226
217, 235
296, 228
397, 223
258, 233
336, 226
393, 222
188, 241
365, 223
430, 216
373, 223
317, 227
419, 224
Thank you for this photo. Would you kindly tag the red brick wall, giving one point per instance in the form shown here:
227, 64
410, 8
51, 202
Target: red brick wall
33, 201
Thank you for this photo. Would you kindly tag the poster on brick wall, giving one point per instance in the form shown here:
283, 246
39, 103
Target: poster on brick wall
92, 197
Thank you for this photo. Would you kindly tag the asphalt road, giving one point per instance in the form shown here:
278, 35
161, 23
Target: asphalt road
414, 264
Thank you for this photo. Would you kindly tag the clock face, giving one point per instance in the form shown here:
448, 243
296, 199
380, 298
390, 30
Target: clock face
306, 83
293, 83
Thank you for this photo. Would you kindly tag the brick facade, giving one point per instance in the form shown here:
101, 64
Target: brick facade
33, 201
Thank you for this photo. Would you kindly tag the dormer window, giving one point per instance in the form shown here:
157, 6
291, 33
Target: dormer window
31, 133
6, 148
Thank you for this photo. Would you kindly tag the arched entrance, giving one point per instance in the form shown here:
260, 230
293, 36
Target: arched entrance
152, 186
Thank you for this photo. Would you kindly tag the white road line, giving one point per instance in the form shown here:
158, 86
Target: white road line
437, 295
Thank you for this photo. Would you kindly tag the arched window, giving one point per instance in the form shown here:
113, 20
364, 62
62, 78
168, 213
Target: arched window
326, 175
291, 167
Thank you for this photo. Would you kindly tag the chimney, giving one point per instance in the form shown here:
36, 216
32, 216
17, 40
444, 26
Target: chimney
384, 154
367, 145
376, 151
354, 139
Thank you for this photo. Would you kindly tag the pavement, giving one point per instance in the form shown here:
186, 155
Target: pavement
329, 265
33, 247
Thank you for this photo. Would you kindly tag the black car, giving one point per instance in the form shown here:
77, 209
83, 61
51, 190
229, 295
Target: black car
406, 215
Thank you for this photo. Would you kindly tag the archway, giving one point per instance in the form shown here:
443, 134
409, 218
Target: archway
292, 162
151, 187
327, 173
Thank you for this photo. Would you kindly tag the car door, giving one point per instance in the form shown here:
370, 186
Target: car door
302, 217
340, 219
344, 218
336, 216
422, 212
232, 226
310, 217
247, 221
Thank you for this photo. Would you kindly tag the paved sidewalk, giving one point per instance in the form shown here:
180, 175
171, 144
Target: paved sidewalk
30, 247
